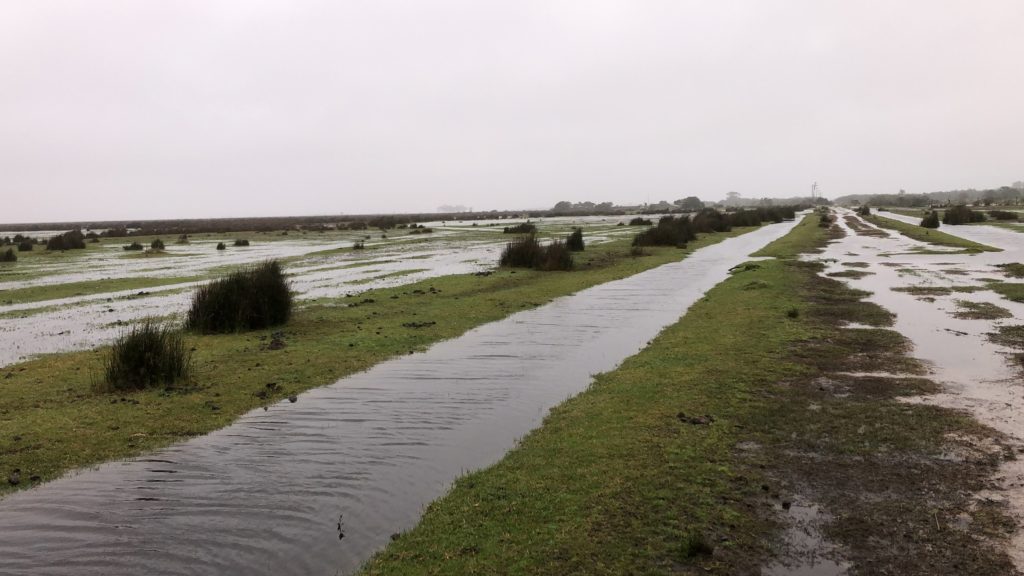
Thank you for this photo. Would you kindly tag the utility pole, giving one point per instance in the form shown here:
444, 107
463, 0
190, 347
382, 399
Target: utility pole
814, 192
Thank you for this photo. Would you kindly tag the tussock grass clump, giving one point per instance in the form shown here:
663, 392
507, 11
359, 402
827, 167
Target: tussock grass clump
670, 231
1003, 215
25, 246
864, 210
575, 240
71, 240
961, 215
183, 239
930, 220
8, 256
241, 242
133, 246
221, 246
638, 221
148, 354
358, 245
157, 244
524, 228
527, 252
248, 299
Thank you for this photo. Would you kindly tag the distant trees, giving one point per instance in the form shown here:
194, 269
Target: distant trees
689, 204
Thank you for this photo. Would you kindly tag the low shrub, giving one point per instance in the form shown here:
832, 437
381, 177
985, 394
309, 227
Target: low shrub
157, 244
133, 246
25, 246
252, 298
575, 240
670, 231
864, 210
221, 246
1003, 215
930, 220
358, 245
524, 228
527, 252
241, 242
183, 239
8, 256
961, 215
71, 240
638, 221
147, 355
825, 220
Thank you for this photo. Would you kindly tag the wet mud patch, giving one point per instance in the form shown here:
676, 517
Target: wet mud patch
849, 274
892, 483
861, 228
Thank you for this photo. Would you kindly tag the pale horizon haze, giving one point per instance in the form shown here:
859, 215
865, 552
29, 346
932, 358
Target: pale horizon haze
214, 108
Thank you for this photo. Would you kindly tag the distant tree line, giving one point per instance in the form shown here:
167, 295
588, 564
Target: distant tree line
1011, 195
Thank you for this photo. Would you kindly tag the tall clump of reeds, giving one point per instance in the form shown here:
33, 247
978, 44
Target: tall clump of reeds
252, 298
575, 240
148, 354
527, 252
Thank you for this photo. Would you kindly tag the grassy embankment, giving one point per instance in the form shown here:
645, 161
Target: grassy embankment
932, 236
682, 459
53, 419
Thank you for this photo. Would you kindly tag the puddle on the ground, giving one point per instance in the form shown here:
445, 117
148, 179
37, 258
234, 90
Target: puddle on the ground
267, 494
805, 551
974, 371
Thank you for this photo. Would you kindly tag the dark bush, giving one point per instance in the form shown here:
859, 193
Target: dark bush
183, 239
521, 253
825, 220
133, 246
575, 240
157, 244
358, 245
72, 240
221, 246
241, 242
930, 220
555, 256
147, 355
8, 256
864, 210
524, 228
527, 252
1003, 215
638, 221
961, 215
248, 299
670, 231
25, 246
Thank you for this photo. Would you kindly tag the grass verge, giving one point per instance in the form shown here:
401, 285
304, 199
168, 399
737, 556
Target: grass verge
52, 419
85, 288
936, 237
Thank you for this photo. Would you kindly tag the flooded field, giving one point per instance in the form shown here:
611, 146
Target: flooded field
316, 485
945, 304
320, 265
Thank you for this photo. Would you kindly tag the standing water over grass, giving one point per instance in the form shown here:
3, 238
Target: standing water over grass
317, 485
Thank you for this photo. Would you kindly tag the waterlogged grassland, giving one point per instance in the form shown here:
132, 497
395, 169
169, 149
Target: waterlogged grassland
931, 236
685, 458
52, 419
70, 289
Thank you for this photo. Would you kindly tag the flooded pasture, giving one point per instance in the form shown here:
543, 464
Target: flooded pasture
319, 266
316, 485
945, 306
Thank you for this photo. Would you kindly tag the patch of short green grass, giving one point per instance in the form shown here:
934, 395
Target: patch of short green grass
930, 236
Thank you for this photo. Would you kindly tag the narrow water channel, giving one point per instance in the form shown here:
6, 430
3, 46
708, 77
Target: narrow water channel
316, 486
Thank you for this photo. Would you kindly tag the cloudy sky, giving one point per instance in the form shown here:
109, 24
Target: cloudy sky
196, 108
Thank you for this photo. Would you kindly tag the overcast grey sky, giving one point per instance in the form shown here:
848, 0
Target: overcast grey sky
167, 109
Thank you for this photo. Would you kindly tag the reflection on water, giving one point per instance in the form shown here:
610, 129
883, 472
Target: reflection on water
275, 492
